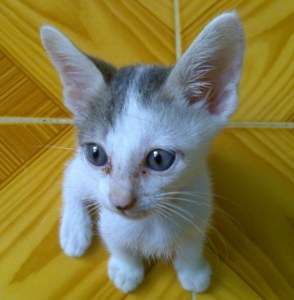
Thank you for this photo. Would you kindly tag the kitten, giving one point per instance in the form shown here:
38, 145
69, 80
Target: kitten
144, 134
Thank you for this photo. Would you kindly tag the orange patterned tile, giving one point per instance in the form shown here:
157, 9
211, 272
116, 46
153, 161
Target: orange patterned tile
21, 145
21, 97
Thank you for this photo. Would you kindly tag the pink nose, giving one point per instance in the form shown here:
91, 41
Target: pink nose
122, 201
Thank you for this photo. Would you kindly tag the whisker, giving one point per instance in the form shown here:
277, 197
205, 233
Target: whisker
216, 196
167, 215
186, 212
54, 147
179, 208
210, 226
215, 207
194, 194
195, 200
185, 218
220, 236
91, 207
92, 213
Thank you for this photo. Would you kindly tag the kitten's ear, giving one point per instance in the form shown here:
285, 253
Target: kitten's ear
210, 69
80, 77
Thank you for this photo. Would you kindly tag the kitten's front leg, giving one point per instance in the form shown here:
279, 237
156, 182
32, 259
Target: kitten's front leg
76, 225
75, 229
192, 268
126, 270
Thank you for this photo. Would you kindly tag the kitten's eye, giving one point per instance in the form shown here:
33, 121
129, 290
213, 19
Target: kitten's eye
160, 160
96, 154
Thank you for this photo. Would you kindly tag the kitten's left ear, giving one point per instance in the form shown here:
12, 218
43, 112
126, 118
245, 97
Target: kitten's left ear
80, 74
210, 69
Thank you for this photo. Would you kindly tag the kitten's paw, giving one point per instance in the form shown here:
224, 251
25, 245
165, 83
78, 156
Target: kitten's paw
75, 235
126, 277
196, 280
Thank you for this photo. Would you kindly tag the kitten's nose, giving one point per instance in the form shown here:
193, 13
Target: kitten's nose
122, 201
126, 205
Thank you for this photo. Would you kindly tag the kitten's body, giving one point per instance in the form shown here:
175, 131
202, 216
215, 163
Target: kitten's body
153, 128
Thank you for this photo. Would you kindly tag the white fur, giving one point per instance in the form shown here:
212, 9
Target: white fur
173, 227
131, 240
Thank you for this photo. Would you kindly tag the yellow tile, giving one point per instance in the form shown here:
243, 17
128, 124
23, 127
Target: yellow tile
251, 239
21, 145
253, 174
122, 32
266, 93
21, 97
254, 183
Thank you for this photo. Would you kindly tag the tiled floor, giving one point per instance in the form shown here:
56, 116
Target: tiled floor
251, 242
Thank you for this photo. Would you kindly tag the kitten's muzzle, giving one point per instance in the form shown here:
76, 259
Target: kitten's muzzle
126, 205
122, 200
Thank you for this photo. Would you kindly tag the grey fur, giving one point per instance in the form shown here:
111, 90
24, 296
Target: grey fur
108, 106
150, 83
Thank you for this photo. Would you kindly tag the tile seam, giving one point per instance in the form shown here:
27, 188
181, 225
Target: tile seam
56, 121
178, 43
30, 120
260, 125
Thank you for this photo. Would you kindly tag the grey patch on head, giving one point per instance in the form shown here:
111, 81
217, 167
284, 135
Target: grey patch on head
107, 107
104, 109
143, 81
150, 83
122, 82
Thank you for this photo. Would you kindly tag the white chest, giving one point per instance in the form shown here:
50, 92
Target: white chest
149, 237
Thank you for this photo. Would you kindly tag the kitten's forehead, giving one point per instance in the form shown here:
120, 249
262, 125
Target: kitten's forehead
142, 80
130, 87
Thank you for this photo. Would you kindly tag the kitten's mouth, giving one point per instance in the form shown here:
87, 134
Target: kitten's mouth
134, 215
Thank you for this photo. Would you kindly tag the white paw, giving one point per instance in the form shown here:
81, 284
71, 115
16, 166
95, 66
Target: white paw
195, 280
126, 277
75, 235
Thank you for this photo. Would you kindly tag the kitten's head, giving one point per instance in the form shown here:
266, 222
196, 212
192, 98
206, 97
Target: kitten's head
146, 130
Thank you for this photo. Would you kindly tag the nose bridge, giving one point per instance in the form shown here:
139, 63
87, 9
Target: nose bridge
121, 192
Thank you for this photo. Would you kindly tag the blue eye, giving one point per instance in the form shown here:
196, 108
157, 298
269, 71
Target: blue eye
96, 155
160, 160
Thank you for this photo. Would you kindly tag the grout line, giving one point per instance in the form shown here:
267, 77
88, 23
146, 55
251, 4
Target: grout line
14, 120
259, 125
56, 121
178, 43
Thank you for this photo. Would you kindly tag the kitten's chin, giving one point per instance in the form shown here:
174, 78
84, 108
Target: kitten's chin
131, 214
134, 215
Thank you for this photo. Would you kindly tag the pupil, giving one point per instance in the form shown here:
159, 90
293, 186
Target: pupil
157, 158
95, 152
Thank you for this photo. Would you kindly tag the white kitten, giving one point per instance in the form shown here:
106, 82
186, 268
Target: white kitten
144, 133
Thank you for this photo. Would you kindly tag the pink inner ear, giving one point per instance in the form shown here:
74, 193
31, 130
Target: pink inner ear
216, 105
216, 89
198, 91
213, 106
193, 99
73, 81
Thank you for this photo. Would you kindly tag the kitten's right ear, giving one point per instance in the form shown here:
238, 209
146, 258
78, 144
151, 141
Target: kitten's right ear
209, 71
80, 77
